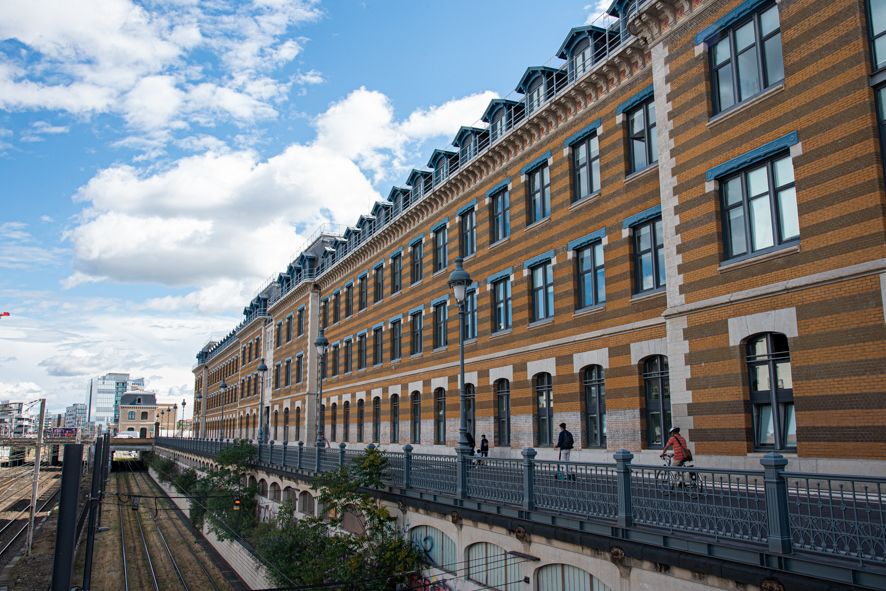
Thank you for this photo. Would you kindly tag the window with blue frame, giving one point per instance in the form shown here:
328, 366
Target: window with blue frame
746, 58
642, 145
287, 374
417, 256
497, 126
470, 314
301, 321
586, 167
348, 355
396, 340
379, 287
501, 304
335, 354
396, 273
500, 216
415, 329
349, 301
441, 249
877, 19
361, 351
377, 344
363, 293
760, 207
535, 95
649, 265
590, 276
440, 325
539, 194
299, 369
336, 308
541, 291
468, 233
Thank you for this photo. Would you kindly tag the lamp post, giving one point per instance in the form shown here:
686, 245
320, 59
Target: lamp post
183, 418
459, 280
174, 420
223, 389
262, 429
321, 344
200, 423
162, 424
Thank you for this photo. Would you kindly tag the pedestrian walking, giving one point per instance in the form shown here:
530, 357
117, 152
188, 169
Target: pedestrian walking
484, 446
565, 443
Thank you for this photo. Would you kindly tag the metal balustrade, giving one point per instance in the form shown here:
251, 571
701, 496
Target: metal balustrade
831, 515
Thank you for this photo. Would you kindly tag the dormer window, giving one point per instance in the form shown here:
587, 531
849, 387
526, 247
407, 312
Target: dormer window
497, 127
535, 95
468, 148
138, 400
581, 58
441, 170
417, 189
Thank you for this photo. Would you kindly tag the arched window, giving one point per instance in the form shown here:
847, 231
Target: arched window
772, 392
361, 418
346, 422
333, 423
471, 409
275, 492
298, 423
289, 495
502, 412
306, 503
376, 419
254, 425
395, 418
565, 577
581, 58
436, 546
262, 488
492, 567
240, 426
594, 400
544, 409
285, 425
415, 417
658, 399
440, 416
275, 426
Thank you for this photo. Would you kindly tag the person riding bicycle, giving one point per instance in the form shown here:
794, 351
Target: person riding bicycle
681, 450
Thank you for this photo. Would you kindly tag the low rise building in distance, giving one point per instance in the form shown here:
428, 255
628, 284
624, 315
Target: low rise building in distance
138, 413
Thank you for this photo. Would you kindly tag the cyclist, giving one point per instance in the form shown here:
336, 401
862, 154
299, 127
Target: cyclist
681, 451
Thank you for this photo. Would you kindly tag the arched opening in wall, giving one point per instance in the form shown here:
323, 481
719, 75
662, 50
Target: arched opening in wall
290, 495
306, 503
415, 417
395, 418
262, 488
657, 395
490, 566
502, 412
361, 419
437, 548
143, 432
346, 422
376, 420
565, 577
298, 423
594, 406
275, 426
471, 409
251, 482
285, 425
440, 416
333, 423
544, 409
771, 390
351, 522
275, 492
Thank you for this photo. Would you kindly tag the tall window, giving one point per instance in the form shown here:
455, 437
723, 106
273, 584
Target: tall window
301, 321
642, 147
416, 255
658, 399
649, 267
396, 340
299, 369
535, 95
376, 419
441, 249
333, 423
538, 204
285, 425
349, 300
436, 547
581, 58
760, 207
289, 328
500, 216
497, 126
361, 419
362, 295
468, 233
361, 351
541, 291
470, 314
586, 167
377, 343
324, 313
544, 409
395, 418
772, 392
471, 409
278, 334
502, 413
287, 373
746, 58
276, 376
379, 291
878, 32
335, 353
415, 417
348, 355
440, 338
396, 273
298, 423
440, 416
415, 329
501, 304
594, 394
591, 282
346, 422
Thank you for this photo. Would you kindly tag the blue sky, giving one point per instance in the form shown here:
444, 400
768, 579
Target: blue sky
159, 160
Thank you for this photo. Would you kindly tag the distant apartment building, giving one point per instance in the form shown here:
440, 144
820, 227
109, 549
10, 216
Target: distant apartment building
103, 397
14, 419
75, 415
138, 413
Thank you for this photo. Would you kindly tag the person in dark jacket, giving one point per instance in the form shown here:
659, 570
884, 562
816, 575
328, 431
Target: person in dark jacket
565, 443
484, 446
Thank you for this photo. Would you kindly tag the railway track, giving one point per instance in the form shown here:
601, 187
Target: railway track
18, 506
157, 551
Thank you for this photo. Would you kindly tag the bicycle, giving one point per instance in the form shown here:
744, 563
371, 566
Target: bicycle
670, 480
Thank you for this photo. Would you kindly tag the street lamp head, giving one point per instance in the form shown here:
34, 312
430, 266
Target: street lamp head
198, 397
459, 280
223, 386
321, 343
261, 366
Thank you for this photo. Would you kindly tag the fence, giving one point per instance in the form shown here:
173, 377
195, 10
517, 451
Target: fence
839, 516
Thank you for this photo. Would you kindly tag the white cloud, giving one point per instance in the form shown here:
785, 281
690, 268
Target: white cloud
597, 12
445, 119
21, 250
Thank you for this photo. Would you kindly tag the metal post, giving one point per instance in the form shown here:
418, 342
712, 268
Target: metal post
528, 478
341, 454
407, 465
461, 488
93, 512
776, 488
65, 533
319, 451
36, 482
623, 486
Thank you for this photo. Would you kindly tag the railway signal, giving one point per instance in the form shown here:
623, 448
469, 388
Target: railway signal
237, 504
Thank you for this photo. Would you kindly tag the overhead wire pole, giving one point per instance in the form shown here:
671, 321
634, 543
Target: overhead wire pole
36, 483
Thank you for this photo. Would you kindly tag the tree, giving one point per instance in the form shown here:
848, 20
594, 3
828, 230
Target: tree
218, 490
319, 551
